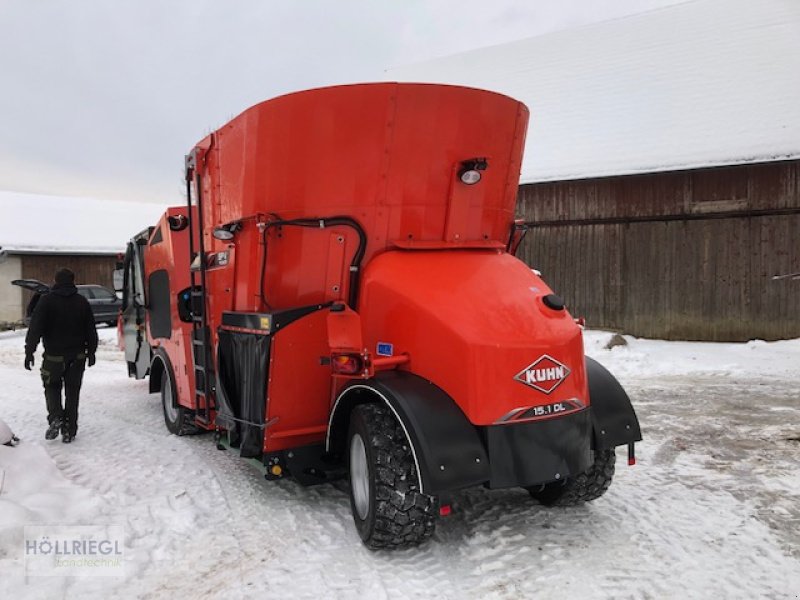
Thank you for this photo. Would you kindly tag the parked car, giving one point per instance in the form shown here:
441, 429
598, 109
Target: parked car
105, 303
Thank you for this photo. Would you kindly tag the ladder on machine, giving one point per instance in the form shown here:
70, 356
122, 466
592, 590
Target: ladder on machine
201, 339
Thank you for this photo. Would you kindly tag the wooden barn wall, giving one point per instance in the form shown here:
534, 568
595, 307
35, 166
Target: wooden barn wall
683, 255
87, 269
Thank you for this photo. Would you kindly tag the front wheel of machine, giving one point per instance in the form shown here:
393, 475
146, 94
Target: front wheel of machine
177, 419
583, 487
388, 509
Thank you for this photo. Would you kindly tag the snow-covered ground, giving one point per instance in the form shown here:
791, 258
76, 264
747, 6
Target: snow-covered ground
711, 510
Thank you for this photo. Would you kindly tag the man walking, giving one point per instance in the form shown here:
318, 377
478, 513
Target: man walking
63, 321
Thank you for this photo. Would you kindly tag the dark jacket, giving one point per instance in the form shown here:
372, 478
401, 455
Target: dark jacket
63, 321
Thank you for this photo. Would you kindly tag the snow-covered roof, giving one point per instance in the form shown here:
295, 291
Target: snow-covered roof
37, 224
704, 83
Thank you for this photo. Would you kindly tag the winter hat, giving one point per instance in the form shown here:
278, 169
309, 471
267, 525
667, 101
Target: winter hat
65, 277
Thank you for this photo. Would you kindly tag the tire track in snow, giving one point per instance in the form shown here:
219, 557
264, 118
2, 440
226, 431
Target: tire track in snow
707, 512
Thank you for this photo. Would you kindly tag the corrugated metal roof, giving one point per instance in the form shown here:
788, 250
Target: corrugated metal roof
704, 83
37, 224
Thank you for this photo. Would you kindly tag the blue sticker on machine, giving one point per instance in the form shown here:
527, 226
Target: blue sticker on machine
385, 349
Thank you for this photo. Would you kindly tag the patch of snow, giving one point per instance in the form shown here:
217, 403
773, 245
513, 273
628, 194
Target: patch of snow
652, 358
697, 84
35, 491
711, 510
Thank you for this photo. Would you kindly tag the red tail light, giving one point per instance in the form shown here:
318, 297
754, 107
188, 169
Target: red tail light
631, 454
347, 364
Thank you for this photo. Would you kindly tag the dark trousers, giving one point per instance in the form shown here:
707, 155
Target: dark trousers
66, 371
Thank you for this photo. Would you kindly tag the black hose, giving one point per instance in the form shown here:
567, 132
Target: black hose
514, 244
263, 267
322, 223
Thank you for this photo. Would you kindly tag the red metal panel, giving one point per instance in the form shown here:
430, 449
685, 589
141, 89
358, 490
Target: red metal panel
382, 153
473, 341
172, 254
299, 387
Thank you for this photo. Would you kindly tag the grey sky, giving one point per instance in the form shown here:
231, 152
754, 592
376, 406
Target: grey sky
103, 98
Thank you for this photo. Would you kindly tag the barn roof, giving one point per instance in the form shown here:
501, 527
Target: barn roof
37, 224
698, 84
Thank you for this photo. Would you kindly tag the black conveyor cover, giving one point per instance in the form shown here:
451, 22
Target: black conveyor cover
242, 389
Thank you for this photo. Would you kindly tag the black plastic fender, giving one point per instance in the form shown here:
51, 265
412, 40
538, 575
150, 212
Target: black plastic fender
447, 448
614, 421
159, 362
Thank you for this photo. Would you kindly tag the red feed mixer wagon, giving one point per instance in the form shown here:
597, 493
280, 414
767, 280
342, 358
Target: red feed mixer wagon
340, 297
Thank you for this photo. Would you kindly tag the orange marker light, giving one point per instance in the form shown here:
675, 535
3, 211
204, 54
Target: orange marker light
347, 364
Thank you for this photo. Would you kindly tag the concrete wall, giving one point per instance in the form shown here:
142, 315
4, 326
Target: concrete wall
10, 295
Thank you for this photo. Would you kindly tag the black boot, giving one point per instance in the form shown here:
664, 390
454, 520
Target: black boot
67, 431
53, 429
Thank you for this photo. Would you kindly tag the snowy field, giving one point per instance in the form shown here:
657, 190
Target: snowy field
712, 510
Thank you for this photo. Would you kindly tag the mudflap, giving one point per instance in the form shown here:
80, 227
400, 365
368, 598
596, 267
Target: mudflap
614, 421
448, 452
524, 454
242, 360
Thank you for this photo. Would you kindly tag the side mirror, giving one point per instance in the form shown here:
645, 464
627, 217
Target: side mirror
119, 280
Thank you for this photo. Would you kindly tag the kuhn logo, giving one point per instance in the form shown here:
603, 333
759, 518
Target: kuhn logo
544, 374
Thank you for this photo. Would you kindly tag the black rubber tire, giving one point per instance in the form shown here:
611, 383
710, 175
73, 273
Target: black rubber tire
183, 422
584, 487
399, 515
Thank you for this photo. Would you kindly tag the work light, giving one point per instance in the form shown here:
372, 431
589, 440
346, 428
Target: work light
470, 171
225, 232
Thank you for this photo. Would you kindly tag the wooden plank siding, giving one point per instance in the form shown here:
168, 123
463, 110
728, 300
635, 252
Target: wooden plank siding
681, 255
87, 268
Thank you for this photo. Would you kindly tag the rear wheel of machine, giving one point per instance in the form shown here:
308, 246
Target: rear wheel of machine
388, 509
177, 419
584, 487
